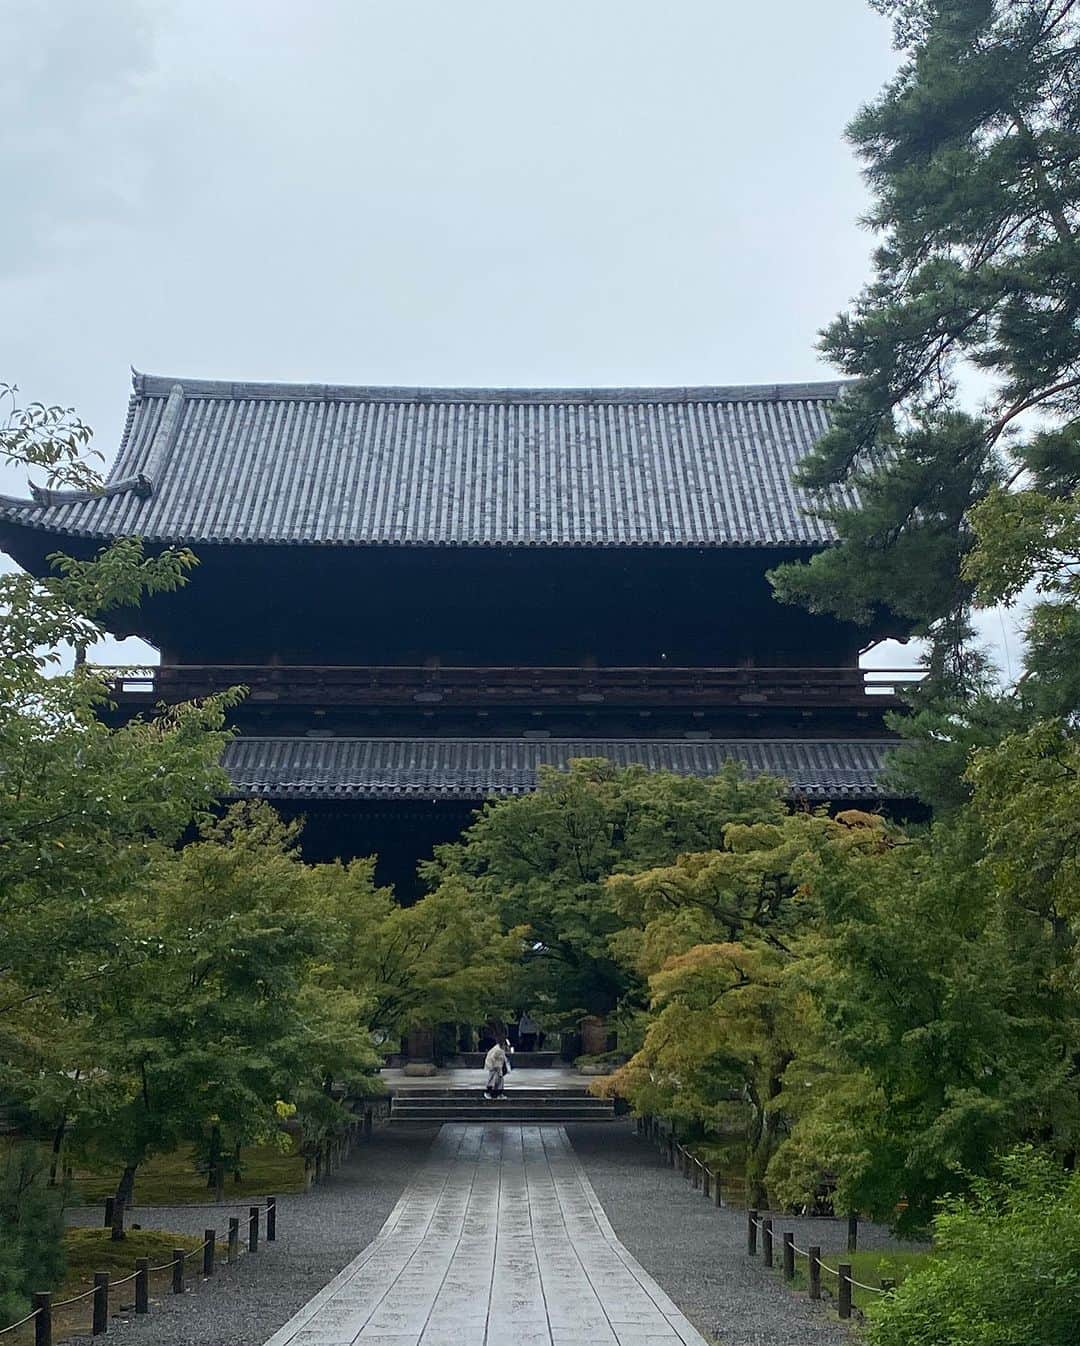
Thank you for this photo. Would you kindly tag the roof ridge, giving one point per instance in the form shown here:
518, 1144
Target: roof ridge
155, 385
859, 739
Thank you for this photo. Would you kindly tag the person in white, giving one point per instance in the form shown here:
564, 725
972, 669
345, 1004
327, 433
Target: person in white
495, 1064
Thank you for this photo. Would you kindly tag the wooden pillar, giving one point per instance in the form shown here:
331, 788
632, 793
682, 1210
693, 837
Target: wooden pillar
142, 1285
420, 1043
43, 1321
843, 1304
594, 1035
101, 1304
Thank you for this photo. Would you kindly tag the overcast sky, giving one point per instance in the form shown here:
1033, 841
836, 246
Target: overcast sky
430, 192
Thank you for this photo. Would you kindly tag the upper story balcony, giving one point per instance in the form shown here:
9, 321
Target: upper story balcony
329, 686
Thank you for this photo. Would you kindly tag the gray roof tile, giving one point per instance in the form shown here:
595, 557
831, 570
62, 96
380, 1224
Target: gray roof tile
248, 462
445, 768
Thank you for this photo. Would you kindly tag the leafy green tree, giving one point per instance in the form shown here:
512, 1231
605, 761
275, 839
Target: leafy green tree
214, 1025
442, 959
720, 1037
717, 934
83, 809
83, 813
1004, 1270
541, 861
935, 1034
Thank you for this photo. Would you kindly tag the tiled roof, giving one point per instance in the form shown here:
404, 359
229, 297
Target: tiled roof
261, 462
456, 768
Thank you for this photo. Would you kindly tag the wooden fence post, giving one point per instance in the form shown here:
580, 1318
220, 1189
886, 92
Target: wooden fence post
888, 1284
766, 1241
101, 1303
142, 1285
209, 1240
706, 1180
43, 1321
178, 1271
234, 1238
271, 1219
751, 1232
718, 1189
789, 1256
815, 1272
853, 1232
843, 1301
253, 1229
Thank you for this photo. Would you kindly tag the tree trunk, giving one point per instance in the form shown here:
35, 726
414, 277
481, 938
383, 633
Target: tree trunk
215, 1165
125, 1194
237, 1175
57, 1149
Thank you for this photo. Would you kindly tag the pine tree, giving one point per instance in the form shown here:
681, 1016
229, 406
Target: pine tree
971, 152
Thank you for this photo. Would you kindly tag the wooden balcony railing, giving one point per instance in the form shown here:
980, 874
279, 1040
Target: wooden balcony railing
393, 685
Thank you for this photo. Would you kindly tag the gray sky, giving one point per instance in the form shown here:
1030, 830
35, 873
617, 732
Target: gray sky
599, 192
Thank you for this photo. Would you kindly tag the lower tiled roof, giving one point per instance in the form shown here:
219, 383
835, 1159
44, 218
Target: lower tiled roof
459, 768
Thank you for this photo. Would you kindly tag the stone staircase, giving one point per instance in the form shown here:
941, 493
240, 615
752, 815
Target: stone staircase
526, 1104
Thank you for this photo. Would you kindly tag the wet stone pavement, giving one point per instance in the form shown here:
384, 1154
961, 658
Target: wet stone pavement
498, 1241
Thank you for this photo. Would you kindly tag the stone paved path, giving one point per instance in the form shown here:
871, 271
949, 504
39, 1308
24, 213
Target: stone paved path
500, 1241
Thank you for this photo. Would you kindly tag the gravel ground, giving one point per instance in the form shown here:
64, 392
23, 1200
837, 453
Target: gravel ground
318, 1232
698, 1253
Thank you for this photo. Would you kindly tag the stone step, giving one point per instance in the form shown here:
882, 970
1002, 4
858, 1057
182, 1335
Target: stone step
497, 1112
404, 1101
512, 1091
517, 1105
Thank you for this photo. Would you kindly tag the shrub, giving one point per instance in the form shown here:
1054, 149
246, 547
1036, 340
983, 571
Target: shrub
31, 1231
1007, 1271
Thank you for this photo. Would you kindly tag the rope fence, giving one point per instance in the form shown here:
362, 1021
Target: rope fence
319, 1165
845, 1281
45, 1308
710, 1184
